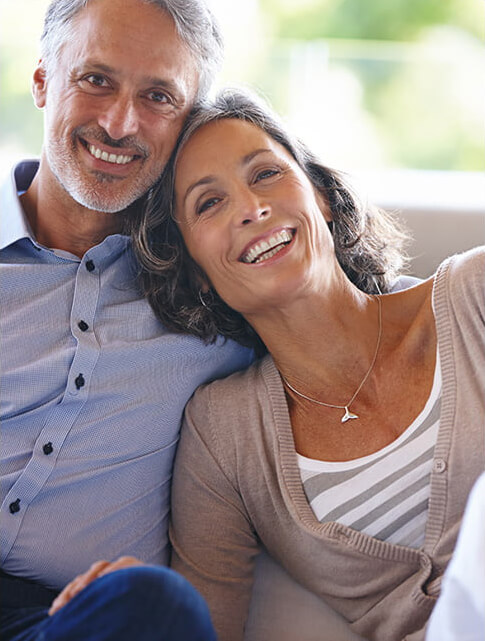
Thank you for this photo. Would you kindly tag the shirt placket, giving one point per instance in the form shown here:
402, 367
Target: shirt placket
62, 417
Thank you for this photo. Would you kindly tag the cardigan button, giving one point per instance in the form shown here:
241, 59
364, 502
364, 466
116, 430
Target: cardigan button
439, 466
341, 534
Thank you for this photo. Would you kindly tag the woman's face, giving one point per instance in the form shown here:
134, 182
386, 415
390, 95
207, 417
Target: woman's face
250, 217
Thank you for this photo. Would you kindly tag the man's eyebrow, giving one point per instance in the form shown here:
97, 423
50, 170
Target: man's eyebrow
86, 66
154, 81
207, 180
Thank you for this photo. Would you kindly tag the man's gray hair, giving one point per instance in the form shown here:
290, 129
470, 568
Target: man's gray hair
193, 20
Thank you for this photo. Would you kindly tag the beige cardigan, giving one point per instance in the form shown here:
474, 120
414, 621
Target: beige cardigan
237, 487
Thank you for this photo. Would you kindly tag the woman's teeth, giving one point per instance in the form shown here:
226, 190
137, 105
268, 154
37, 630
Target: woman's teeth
269, 254
268, 248
113, 158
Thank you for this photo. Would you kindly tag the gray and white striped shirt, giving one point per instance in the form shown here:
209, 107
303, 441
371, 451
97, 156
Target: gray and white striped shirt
384, 494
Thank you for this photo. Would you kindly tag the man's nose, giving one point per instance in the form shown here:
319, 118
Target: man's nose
120, 118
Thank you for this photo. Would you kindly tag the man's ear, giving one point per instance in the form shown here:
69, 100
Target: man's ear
39, 85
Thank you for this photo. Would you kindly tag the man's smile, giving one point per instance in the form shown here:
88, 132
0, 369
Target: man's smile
113, 158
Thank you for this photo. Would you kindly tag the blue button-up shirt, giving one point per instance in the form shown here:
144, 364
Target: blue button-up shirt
92, 392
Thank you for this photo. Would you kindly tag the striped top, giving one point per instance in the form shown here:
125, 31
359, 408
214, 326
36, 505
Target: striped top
386, 493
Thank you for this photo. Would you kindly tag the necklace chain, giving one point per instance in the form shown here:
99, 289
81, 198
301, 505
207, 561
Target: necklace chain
348, 415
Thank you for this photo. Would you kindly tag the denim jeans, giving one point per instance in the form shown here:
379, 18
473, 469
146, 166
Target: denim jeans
146, 603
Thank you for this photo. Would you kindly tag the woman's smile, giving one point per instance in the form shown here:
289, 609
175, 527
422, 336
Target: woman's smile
264, 248
252, 207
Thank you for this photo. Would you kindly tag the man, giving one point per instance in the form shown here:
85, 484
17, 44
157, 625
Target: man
93, 387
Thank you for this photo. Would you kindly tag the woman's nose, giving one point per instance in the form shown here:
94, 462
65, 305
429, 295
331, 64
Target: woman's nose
251, 208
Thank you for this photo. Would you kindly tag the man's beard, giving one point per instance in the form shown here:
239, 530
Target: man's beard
96, 190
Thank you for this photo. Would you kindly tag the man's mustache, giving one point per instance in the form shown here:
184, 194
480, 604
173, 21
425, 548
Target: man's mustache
99, 135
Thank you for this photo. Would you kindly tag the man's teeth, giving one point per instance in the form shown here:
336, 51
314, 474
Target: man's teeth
113, 158
267, 248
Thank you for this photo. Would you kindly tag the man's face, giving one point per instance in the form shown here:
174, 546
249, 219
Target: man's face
115, 101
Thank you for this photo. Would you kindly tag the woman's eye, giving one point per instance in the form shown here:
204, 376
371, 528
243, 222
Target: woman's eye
207, 204
266, 173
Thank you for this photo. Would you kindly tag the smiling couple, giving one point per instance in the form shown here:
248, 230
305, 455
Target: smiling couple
346, 450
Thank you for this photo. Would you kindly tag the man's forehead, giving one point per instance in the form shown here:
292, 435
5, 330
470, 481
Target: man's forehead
108, 21
127, 15
147, 44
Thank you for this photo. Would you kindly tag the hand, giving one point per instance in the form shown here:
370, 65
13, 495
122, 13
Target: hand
98, 569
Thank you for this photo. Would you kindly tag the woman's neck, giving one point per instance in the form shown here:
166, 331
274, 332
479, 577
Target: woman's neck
326, 339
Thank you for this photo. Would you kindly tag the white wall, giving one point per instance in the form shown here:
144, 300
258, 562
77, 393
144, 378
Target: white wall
445, 211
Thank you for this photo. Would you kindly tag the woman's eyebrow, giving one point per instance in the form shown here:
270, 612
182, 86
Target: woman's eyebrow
254, 153
207, 180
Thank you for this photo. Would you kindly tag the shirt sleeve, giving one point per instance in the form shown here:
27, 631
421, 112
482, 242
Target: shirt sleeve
214, 544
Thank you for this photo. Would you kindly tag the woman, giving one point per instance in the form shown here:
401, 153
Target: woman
349, 450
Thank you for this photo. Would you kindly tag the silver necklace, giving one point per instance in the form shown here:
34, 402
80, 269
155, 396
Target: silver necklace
348, 414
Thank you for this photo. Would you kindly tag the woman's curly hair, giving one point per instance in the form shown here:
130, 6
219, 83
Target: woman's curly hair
369, 243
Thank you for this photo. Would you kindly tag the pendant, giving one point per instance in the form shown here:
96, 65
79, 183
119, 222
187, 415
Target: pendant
348, 415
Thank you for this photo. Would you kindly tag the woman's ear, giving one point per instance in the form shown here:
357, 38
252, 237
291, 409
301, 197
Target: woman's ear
201, 279
39, 85
203, 286
323, 205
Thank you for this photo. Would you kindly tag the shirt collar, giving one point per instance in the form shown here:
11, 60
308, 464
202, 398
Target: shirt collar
15, 225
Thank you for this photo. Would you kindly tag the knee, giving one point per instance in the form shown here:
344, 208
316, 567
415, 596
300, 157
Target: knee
151, 583
161, 598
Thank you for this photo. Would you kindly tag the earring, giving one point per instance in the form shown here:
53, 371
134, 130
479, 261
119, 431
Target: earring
376, 284
203, 303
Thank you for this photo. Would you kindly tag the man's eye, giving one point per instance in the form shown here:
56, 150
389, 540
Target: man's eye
207, 204
96, 80
158, 97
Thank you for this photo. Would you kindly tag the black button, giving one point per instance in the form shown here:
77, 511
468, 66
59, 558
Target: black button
83, 326
79, 381
90, 265
14, 507
48, 449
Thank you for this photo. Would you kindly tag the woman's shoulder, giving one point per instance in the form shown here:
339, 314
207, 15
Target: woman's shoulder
238, 394
231, 415
462, 276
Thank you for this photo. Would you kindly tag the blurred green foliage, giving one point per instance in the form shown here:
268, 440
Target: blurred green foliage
20, 121
418, 64
403, 20
413, 69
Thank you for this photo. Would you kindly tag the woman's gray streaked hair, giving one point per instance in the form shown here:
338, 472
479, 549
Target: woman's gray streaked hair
369, 243
194, 22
